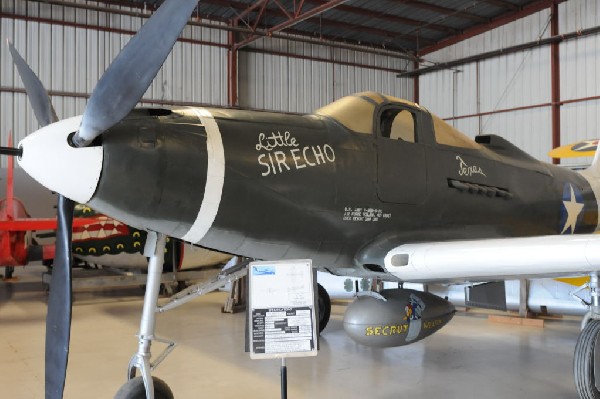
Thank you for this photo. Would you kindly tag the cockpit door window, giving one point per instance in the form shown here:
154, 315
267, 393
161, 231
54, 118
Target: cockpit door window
398, 124
401, 163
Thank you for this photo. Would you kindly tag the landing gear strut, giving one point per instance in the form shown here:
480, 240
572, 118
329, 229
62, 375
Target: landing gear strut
586, 362
146, 386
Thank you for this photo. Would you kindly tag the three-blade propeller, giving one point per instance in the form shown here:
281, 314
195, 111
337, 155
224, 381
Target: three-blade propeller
118, 91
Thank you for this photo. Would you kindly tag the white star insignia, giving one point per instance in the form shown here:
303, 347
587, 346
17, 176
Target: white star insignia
573, 210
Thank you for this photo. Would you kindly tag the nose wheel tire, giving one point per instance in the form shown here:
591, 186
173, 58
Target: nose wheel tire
324, 307
584, 361
134, 389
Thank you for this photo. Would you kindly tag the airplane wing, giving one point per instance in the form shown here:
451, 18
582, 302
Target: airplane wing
27, 224
495, 259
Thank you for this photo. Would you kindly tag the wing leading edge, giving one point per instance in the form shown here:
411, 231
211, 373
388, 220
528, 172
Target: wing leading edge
495, 259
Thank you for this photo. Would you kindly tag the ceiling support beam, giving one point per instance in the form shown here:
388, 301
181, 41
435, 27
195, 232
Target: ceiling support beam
99, 28
302, 38
503, 4
252, 22
389, 35
555, 80
326, 60
390, 17
504, 51
247, 11
444, 10
298, 16
531, 8
508, 50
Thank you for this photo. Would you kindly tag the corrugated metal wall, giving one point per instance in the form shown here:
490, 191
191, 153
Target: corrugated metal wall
71, 59
522, 79
516, 80
579, 73
291, 84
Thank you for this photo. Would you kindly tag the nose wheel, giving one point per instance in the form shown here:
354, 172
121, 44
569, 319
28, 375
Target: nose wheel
134, 389
586, 361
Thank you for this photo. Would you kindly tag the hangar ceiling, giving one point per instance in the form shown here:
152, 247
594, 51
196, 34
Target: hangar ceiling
415, 27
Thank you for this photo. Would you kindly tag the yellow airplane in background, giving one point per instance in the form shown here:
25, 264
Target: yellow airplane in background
586, 148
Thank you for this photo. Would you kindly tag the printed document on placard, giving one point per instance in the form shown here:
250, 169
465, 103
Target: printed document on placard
281, 286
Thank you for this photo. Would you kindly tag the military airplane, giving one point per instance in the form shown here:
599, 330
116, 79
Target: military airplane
369, 185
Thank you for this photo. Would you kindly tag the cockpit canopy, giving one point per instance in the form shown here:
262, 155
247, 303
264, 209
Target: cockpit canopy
357, 113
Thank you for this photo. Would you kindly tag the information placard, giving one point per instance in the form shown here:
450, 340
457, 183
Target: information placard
282, 319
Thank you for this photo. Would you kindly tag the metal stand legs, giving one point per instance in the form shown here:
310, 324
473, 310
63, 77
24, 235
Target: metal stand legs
155, 250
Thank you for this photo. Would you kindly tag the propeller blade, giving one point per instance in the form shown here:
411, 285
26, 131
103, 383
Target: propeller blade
38, 97
132, 71
58, 319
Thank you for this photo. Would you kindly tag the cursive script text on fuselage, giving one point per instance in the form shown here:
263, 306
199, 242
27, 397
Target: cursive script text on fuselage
281, 152
275, 140
468, 170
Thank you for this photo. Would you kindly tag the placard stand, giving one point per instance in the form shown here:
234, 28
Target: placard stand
281, 312
283, 379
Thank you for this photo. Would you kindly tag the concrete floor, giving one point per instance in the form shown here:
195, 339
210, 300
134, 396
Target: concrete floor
469, 358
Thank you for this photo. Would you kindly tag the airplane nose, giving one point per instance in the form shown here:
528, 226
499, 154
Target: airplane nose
49, 159
154, 171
